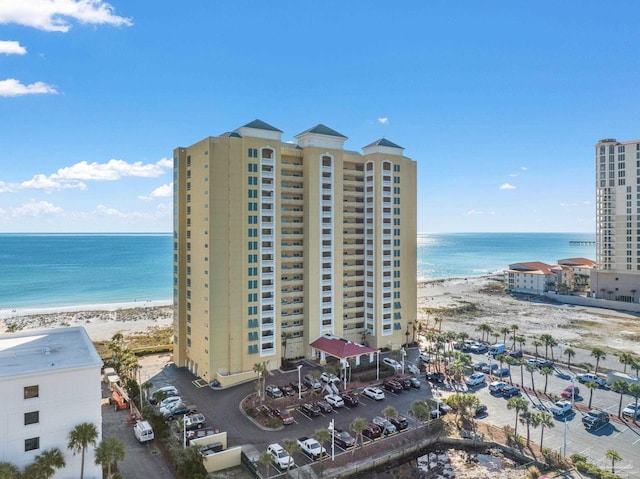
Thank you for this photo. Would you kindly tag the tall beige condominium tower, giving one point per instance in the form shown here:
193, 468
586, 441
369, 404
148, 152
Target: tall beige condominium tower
278, 240
617, 274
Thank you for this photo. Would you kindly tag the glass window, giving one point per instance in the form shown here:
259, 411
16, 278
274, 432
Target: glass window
32, 444
32, 417
31, 392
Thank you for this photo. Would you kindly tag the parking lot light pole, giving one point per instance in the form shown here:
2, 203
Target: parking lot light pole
403, 353
299, 383
332, 426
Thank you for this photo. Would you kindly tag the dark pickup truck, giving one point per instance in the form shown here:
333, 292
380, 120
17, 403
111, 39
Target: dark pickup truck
595, 419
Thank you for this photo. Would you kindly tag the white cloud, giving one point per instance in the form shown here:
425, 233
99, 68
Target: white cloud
164, 191
507, 186
112, 170
480, 212
524, 168
102, 210
12, 87
56, 15
384, 120
8, 187
33, 208
10, 47
49, 183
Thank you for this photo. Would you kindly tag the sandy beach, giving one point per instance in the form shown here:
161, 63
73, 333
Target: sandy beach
461, 303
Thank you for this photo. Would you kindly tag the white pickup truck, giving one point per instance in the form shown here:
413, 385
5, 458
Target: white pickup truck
311, 447
560, 408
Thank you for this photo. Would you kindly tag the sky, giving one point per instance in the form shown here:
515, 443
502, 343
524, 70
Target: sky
500, 103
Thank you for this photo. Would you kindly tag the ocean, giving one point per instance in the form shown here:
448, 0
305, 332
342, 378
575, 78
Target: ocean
55, 270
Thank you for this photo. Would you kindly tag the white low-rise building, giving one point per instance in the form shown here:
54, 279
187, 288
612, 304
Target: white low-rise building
533, 277
49, 383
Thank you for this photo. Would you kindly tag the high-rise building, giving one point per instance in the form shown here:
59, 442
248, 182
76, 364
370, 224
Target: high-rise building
617, 274
277, 244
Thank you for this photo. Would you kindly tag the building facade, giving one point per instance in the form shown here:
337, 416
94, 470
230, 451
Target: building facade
277, 244
49, 383
617, 274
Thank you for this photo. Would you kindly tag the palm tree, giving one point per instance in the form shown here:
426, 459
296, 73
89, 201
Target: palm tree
553, 342
9, 471
546, 371
290, 446
615, 457
285, 337
109, 452
521, 363
485, 329
439, 322
545, 419
536, 344
591, 385
521, 340
514, 328
569, 353
322, 436
528, 418
495, 335
546, 339
634, 391
626, 359
390, 413
519, 404
510, 362
47, 463
81, 437
621, 387
531, 369
261, 370
505, 330
357, 426
420, 411
599, 354
265, 460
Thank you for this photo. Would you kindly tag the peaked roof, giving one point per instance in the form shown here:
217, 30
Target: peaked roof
532, 267
321, 129
577, 262
260, 125
384, 142
339, 347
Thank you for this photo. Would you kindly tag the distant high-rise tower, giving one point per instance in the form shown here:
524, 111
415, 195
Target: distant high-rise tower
617, 274
277, 244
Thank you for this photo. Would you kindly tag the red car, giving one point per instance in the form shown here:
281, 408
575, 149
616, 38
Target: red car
570, 392
372, 431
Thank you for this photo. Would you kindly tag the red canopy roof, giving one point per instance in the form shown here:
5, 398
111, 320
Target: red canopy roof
340, 348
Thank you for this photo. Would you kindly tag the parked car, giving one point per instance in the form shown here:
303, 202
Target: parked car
280, 456
329, 378
479, 365
511, 391
400, 422
415, 383
350, 399
404, 382
570, 392
310, 381
299, 388
413, 369
435, 377
490, 368
372, 431
373, 393
283, 414
287, 390
478, 348
335, 400
166, 402
343, 439
560, 408
441, 408
481, 410
194, 421
515, 353
393, 363
162, 393
385, 425
532, 362
591, 378
502, 372
324, 406
178, 409
497, 386
393, 386
273, 392
476, 379
310, 409
545, 363
425, 358
632, 411
595, 419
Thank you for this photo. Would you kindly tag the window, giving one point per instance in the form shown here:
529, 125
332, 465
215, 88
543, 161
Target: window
32, 417
32, 444
31, 392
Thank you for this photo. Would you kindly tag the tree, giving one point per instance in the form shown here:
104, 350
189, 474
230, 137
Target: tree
514, 328
261, 370
531, 369
621, 387
614, 456
81, 437
545, 419
599, 354
108, 453
569, 353
9, 471
546, 372
439, 322
420, 411
390, 413
510, 362
265, 460
46, 464
536, 344
634, 391
285, 337
626, 359
291, 446
519, 404
528, 418
505, 330
357, 426
592, 386
521, 341
322, 436
485, 329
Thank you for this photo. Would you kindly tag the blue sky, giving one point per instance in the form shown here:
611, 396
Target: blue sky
499, 102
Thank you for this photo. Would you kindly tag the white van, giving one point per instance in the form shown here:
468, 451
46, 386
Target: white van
143, 431
497, 349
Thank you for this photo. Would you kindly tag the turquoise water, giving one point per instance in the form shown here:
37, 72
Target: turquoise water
51, 270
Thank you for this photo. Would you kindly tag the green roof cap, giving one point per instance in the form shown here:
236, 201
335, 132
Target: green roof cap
261, 125
384, 142
321, 129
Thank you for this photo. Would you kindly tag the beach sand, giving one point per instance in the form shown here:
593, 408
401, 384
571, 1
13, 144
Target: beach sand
461, 303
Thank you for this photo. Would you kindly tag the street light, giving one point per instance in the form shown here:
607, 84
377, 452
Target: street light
403, 353
333, 435
299, 383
